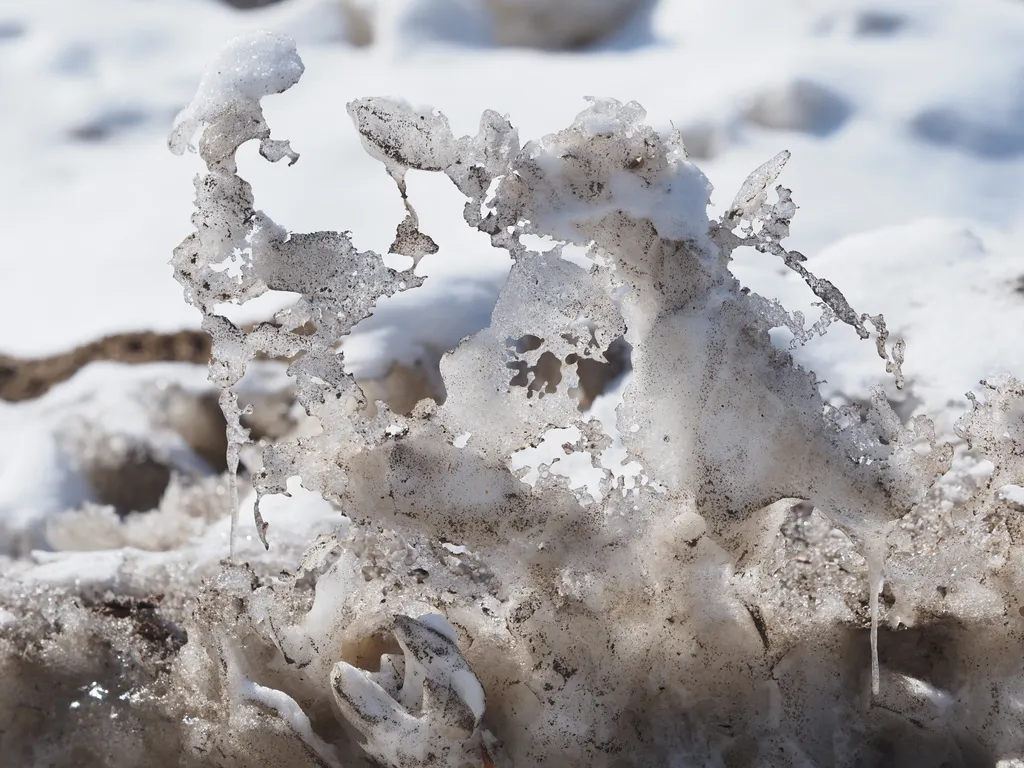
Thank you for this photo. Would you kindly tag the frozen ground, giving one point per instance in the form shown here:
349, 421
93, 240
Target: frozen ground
905, 121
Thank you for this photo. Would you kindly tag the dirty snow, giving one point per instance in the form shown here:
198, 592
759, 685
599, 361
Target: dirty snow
905, 123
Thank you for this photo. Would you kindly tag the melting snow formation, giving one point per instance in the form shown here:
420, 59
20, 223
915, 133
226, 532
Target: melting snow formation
714, 608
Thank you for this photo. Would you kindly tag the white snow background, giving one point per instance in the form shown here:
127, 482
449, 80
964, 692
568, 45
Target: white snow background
905, 120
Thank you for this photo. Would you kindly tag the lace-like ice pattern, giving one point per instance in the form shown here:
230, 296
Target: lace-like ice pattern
593, 611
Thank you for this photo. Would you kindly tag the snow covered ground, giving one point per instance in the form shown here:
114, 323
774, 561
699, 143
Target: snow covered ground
905, 120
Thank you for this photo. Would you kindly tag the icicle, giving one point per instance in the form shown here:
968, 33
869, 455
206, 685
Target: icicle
876, 579
237, 437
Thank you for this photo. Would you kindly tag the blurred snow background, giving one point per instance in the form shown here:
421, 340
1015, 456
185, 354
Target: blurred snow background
905, 120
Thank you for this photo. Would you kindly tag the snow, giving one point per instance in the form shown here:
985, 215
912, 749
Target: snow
98, 569
246, 69
905, 124
677, 205
1013, 494
289, 710
900, 126
894, 116
50, 443
947, 286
